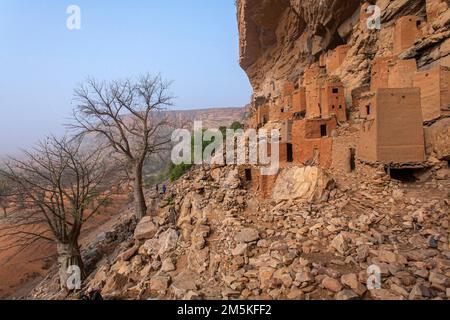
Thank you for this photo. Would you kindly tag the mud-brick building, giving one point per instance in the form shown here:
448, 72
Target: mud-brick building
313, 79
299, 100
336, 57
435, 92
255, 181
407, 32
312, 141
262, 114
333, 101
392, 132
390, 72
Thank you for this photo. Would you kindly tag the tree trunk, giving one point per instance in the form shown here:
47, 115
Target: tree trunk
71, 268
139, 199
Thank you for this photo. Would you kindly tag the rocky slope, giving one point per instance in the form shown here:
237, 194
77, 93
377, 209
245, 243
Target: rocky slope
210, 238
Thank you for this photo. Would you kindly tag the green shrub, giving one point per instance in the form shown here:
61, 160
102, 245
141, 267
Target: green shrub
236, 125
177, 171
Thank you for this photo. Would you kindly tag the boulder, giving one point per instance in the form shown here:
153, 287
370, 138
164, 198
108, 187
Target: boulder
305, 184
351, 280
240, 249
265, 275
346, 295
331, 284
339, 243
167, 265
247, 235
159, 283
168, 241
383, 294
439, 279
145, 229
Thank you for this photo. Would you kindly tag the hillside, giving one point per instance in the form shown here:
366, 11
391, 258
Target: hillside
211, 117
21, 270
359, 208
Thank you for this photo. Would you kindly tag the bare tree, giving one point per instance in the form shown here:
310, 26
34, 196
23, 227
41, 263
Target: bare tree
129, 116
4, 196
62, 187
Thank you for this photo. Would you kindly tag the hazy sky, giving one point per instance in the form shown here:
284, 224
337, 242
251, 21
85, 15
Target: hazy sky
194, 43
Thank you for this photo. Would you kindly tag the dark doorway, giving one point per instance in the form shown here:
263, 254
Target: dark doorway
248, 174
368, 110
323, 130
290, 154
403, 175
352, 159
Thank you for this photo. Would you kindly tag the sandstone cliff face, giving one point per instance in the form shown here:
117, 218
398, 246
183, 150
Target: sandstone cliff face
280, 38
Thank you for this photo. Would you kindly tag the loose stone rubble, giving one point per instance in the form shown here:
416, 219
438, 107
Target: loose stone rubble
220, 248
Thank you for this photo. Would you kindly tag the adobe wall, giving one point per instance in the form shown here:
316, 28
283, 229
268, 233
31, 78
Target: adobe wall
312, 80
263, 114
299, 100
363, 104
312, 73
280, 109
435, 91
286, 131
367, 144
380, 73
333, 103
313, 106
399, 125
341, 152
336, 57
311, 128
282, 153
251, 122
307, 143
259, 183
401, 73
288, 88
406, 33
390, 72
253, 184
266, 184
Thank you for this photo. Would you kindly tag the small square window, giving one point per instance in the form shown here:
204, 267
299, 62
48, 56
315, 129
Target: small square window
335, 90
